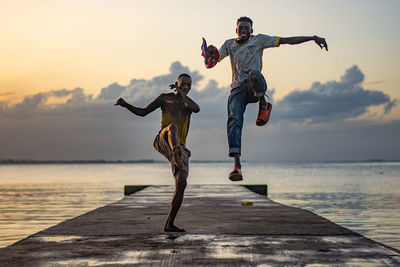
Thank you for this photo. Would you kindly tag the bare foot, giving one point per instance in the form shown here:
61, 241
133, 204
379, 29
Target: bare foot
177, 153
173, 228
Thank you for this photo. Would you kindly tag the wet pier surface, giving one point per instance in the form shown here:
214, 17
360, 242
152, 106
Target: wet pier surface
220, 231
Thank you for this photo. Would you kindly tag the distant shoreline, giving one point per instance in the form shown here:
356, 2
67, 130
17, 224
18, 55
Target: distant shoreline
16, 162
11, 161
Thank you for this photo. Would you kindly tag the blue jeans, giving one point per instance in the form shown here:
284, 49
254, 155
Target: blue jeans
249, 92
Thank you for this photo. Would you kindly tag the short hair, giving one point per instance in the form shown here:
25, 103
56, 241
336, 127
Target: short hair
247, 19
184, 75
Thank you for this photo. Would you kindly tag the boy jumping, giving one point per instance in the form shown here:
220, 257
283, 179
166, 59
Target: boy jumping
176, 109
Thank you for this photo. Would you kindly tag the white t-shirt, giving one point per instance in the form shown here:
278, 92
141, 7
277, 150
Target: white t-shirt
247, 56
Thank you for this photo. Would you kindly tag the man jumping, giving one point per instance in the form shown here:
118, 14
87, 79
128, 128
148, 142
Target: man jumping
248, 84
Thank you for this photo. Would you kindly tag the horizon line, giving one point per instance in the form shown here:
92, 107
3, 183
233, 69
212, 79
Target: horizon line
105, 161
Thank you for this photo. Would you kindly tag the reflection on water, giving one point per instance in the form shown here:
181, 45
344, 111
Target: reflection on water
29, 208
364, 197
373, 215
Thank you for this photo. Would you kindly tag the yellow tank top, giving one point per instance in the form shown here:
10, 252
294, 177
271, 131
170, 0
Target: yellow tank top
174, 110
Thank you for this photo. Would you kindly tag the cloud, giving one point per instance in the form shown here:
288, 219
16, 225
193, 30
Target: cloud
213, 106
7, 94
332, 101
81, 126
37, 104
336, 140
142, 91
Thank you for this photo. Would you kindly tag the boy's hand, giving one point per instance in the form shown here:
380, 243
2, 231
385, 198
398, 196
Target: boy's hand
180, 91
121, 102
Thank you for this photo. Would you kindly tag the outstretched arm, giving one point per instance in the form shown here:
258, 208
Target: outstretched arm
139, 111
301, 39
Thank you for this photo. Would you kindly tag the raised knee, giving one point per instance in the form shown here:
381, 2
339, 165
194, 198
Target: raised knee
172, 127
255, 73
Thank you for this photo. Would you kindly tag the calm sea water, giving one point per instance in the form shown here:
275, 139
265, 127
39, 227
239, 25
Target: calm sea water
364, 197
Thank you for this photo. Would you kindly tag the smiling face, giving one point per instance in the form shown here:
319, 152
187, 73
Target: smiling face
185, 83
243, 30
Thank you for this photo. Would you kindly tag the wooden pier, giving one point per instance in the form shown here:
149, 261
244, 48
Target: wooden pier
226, 225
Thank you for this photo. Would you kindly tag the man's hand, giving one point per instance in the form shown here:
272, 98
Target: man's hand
211, 50
210, 54
121, 102
321, 42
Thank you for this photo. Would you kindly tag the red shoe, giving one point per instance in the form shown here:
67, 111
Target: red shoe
236, 175
263, 115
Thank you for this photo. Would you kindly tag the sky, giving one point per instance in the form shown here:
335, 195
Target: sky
64, 63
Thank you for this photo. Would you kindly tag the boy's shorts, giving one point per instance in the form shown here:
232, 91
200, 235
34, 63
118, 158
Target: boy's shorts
163, 147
